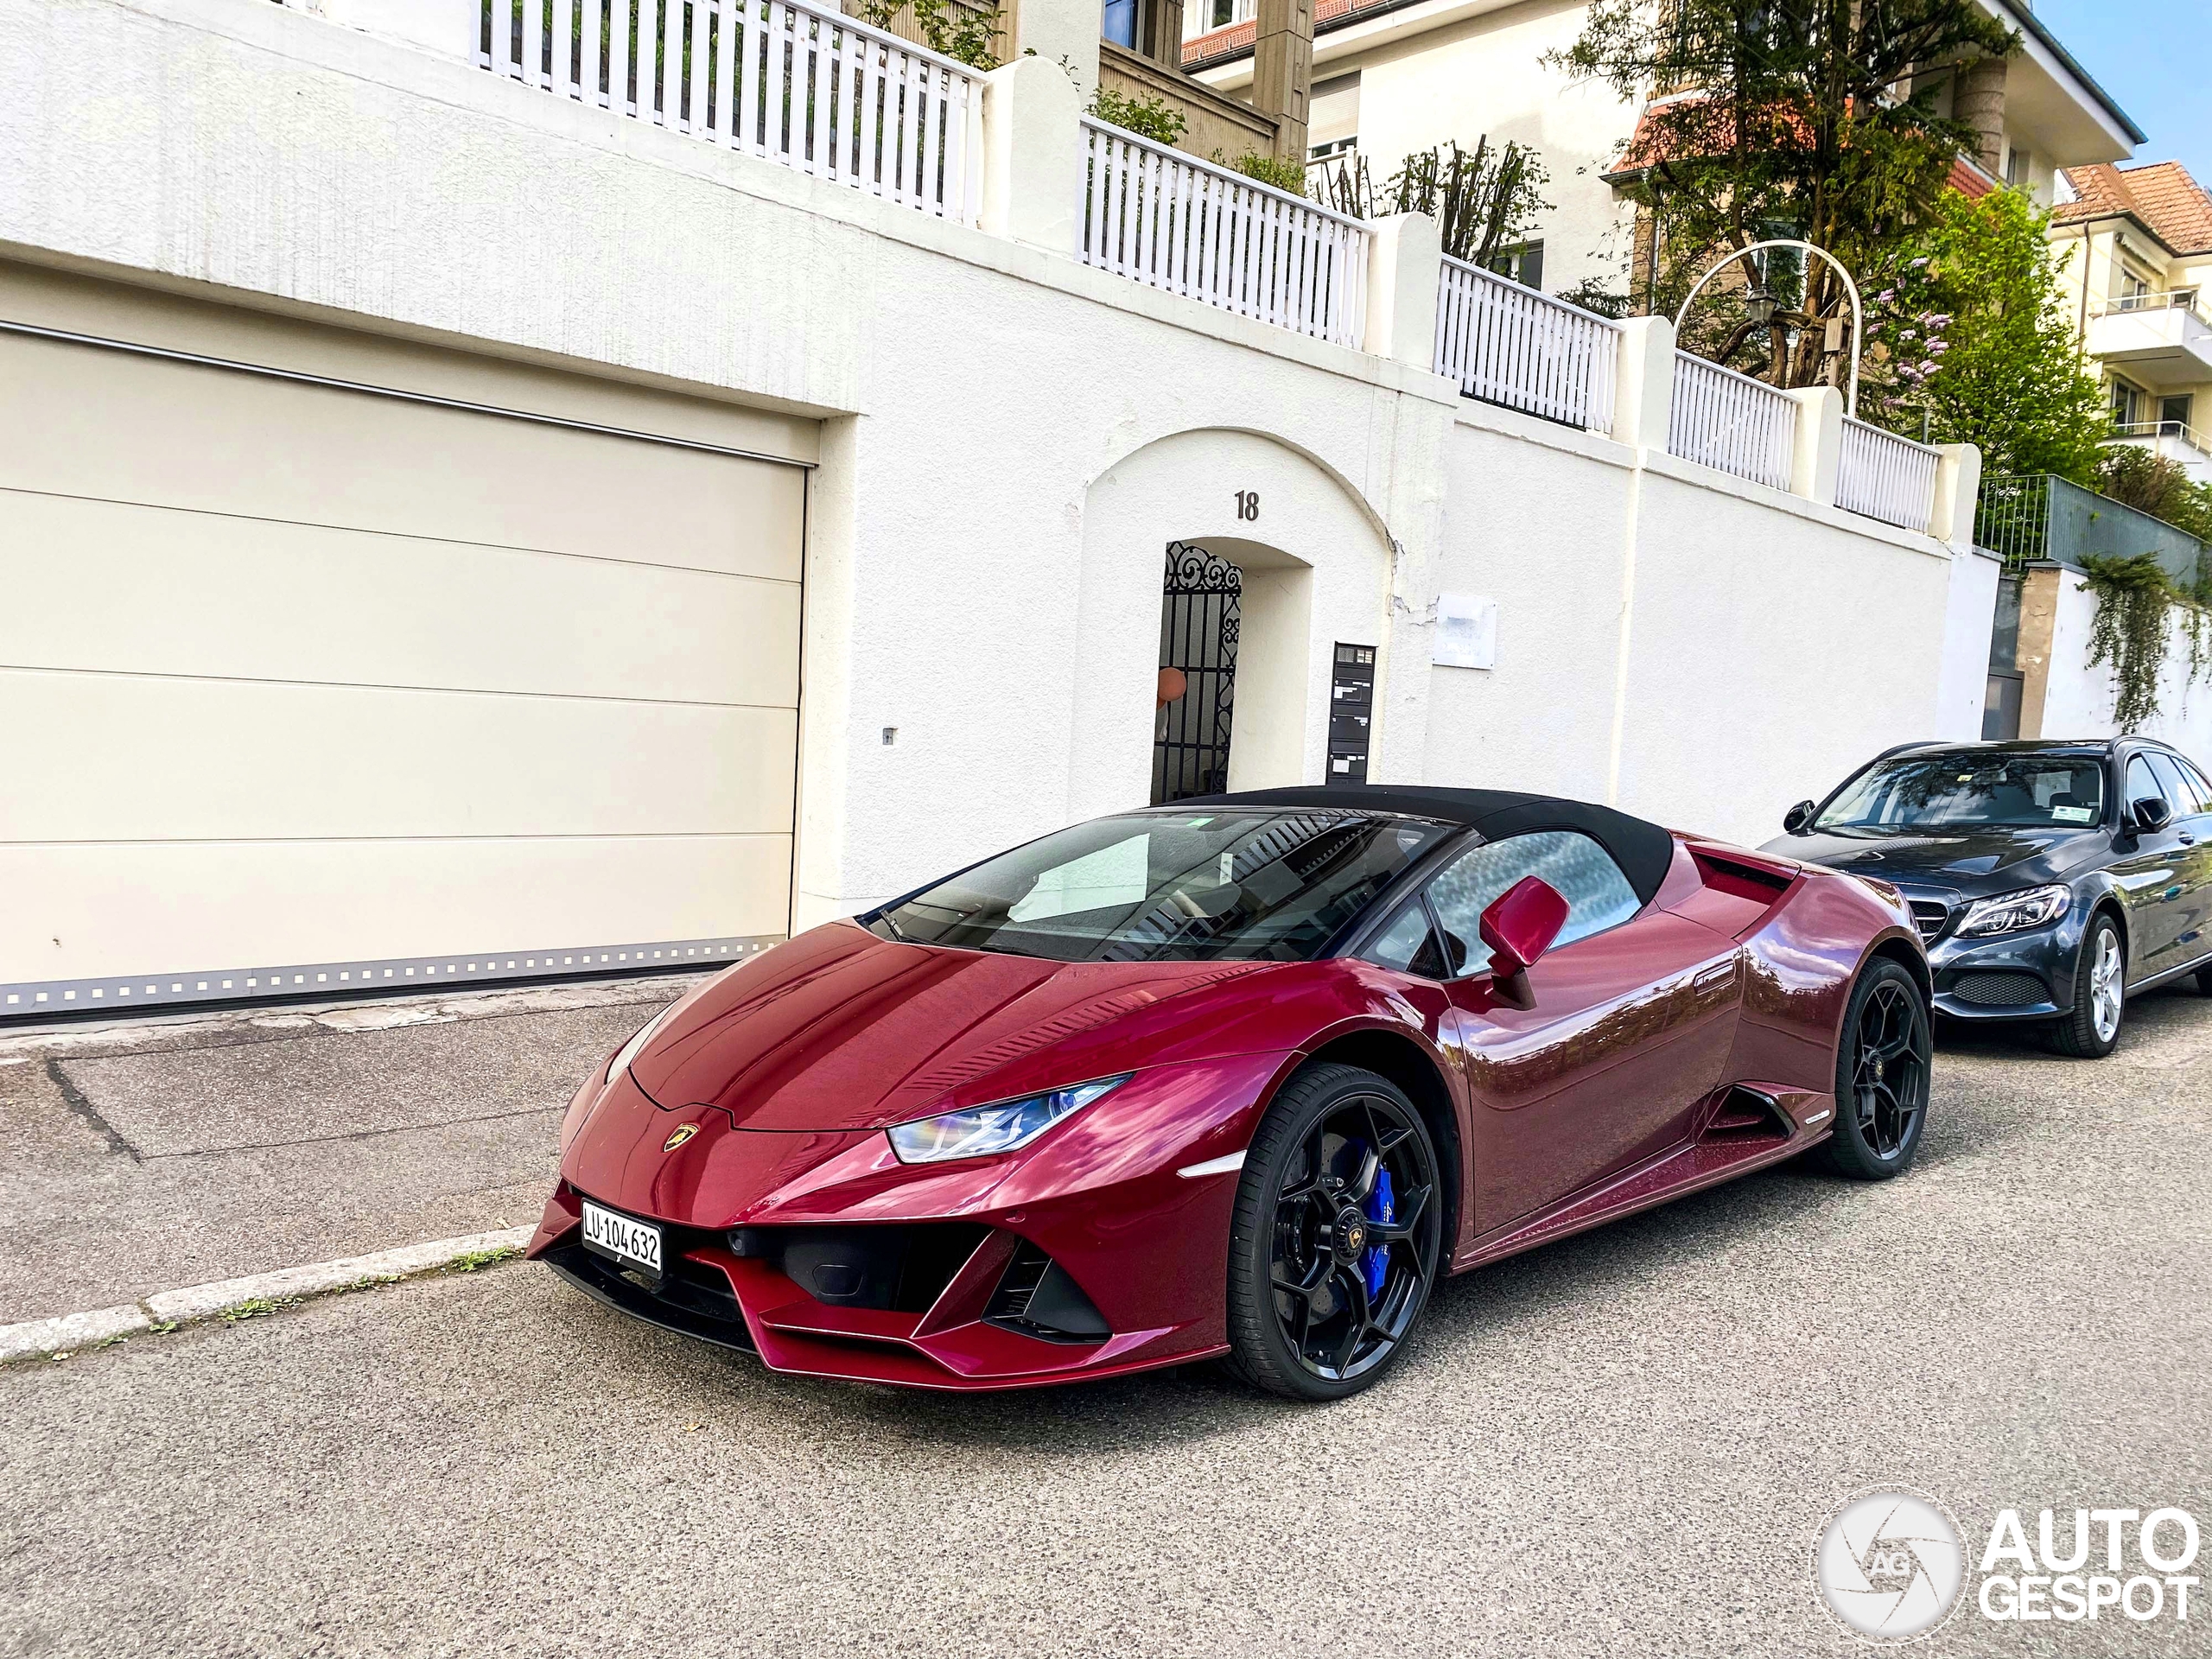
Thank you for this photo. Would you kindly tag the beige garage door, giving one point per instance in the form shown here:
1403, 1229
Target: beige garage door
305, 685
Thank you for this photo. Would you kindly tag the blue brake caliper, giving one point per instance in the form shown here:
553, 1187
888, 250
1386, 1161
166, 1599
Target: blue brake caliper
1382, 1210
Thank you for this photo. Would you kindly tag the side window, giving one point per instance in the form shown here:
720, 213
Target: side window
2196, 781
2142, 782
1597, 895
2174, 786
1409, 945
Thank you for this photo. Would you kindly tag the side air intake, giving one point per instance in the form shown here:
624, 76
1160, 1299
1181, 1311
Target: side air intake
1747, 1114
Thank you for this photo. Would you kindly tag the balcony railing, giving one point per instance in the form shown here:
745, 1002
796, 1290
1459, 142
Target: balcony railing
2190, 300
783, 79
2181, 429
1731, 422
2024, 518
1159, 217
1510, 344
1884, 476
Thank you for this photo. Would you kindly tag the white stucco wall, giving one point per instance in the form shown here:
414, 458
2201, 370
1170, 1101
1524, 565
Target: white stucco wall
2079, 700
1007, 440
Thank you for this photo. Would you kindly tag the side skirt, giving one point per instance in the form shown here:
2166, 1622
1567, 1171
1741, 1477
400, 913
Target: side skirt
1689, 1168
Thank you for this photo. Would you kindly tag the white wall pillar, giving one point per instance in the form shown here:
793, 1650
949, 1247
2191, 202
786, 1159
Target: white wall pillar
1817, 457
451, 28
1063, 32
1405, 266
1643, 385
1032, 162
1958, 489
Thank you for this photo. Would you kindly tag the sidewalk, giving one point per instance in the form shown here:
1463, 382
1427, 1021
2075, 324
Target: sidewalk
171, 1153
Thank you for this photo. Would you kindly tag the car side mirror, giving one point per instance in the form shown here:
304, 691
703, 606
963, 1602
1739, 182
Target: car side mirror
2150, 814
1521, 923
1798, 816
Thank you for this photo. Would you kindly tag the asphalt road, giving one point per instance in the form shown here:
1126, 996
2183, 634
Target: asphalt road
1625, 1443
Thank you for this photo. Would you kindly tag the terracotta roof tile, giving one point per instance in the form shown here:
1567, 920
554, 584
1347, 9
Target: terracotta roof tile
2161, 195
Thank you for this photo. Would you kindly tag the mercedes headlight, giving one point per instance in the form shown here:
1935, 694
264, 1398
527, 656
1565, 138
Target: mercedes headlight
982, 1130
630, 1050
2008, 913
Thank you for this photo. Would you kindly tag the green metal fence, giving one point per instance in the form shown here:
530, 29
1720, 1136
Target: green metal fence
2034, 516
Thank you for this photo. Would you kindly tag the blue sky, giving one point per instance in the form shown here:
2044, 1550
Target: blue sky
2155, 58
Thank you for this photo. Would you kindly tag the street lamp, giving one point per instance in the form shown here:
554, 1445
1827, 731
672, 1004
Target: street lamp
1759, 301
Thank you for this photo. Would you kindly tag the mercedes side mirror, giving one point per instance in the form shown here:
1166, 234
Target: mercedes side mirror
1521, 923
2150, 814
1798, 816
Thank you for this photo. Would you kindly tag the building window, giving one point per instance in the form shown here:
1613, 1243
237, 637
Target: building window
2016, 168
2173, 415
1523, 262
1120, 22
2127, 402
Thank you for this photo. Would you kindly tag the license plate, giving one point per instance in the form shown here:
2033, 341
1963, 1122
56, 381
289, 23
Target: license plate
625, 1238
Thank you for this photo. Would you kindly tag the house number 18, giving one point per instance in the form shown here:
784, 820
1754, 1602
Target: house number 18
1248, 503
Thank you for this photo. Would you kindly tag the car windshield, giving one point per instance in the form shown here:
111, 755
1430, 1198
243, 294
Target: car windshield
1934, 791
1163, 886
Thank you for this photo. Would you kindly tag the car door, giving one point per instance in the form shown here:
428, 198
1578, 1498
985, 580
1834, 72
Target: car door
2150, 867
1624, 1025
2192, 918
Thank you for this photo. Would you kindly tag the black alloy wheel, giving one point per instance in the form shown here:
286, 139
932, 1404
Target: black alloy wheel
1336, 1235
1882, 1069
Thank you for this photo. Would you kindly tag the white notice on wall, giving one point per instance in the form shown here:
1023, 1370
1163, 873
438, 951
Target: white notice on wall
1467, 632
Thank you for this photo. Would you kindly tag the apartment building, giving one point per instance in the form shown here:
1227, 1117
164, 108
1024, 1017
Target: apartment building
2136, 244
1391, 76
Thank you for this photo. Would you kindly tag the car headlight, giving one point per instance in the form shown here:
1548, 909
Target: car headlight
982, 1130
2008, 913
629, 1050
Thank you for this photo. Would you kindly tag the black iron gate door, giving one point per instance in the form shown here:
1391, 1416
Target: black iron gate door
1198, 638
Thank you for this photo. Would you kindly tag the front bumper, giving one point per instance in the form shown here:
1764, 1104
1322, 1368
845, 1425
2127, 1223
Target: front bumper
2024, 976
1093, 1216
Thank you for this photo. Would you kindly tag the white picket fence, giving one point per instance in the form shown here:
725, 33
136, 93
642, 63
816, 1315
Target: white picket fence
1170, 221
1731, 422
777, 78
1510, 345
1884, 476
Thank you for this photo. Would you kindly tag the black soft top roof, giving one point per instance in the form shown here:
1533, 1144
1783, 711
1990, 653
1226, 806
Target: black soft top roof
1643, 850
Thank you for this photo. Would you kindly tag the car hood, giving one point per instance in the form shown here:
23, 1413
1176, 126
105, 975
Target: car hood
1968, 858
841, 1030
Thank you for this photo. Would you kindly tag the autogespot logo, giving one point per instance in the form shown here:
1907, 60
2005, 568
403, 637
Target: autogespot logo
1890, 1563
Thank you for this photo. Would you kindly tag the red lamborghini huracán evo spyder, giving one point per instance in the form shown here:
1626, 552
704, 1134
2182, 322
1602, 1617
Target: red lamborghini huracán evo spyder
1239, 1076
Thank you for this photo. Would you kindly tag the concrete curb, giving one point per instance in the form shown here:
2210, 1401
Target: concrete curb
35, 1338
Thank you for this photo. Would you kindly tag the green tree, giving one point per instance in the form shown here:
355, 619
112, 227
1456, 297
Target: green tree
1809, 118
1969, 340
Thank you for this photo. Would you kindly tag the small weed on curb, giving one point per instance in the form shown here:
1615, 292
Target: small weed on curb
472, 1260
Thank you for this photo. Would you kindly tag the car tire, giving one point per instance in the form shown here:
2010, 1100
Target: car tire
2204, 980
1884, 1060
2090, 1029
1314, 1314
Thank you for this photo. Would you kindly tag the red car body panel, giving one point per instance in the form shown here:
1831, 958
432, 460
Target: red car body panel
1593, 1087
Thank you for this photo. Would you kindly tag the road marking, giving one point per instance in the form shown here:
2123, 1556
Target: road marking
1212, 1167
32, 1338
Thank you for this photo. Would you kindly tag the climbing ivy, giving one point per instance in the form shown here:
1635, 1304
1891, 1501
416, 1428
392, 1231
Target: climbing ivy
2135, 596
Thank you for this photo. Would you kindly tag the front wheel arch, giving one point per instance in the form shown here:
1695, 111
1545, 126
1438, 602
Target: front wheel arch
1402, 1061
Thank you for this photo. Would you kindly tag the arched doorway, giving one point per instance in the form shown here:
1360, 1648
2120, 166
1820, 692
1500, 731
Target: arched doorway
1308, 569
